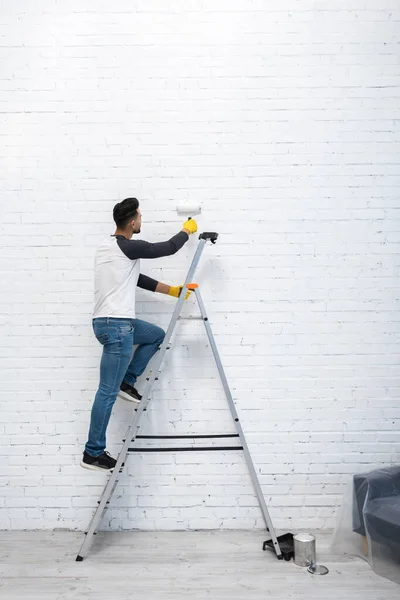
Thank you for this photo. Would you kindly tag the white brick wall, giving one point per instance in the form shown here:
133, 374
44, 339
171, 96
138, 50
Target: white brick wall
282, 119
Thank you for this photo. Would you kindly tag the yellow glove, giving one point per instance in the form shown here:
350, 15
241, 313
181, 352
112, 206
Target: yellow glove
176, 290
190, 225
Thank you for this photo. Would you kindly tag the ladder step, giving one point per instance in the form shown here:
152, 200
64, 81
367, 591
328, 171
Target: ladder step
211, 436
192, 319
187, 437
183, 449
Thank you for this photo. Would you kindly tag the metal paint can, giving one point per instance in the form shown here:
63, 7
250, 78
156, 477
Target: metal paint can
304, 550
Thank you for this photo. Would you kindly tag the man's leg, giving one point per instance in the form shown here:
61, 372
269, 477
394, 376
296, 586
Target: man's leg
117, 339
149, 337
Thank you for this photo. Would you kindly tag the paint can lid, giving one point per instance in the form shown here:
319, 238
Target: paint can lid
318, 570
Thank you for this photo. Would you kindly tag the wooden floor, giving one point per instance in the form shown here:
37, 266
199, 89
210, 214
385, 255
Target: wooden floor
174, 566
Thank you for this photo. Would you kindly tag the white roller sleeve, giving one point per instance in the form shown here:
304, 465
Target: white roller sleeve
188, 209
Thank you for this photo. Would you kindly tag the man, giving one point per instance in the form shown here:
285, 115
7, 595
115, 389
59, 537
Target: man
117, 273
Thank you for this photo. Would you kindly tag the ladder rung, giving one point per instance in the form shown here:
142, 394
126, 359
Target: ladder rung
183, 449
187, 437
192, 319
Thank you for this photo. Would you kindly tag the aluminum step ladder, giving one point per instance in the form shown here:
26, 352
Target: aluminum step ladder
132, 433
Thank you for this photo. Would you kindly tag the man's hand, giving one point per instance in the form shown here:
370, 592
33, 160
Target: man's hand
176, 290
190, 226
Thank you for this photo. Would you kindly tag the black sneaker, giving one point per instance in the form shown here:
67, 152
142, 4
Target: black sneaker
128, 392
104, 462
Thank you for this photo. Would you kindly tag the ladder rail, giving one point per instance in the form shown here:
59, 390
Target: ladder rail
231, 403
134, 426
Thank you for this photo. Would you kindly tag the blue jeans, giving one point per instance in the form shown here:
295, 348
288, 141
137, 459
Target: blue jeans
117, 364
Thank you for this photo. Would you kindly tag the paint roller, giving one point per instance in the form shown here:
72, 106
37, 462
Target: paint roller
188, 210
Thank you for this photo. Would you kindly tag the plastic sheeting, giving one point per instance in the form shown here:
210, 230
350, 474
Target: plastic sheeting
369, 521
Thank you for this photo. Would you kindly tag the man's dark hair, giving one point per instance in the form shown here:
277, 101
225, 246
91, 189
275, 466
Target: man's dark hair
125, 211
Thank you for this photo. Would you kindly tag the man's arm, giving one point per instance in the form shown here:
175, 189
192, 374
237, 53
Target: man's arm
147, 283
140, 249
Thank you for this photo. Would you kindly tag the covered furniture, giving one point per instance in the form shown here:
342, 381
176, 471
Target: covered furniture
376, 508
